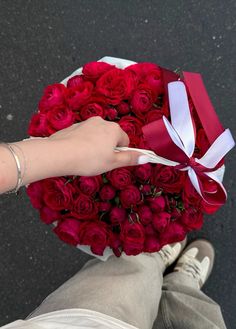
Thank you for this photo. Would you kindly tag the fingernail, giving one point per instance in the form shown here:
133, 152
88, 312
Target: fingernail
143, 159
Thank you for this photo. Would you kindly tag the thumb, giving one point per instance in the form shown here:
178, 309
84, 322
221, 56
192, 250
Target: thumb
129, 158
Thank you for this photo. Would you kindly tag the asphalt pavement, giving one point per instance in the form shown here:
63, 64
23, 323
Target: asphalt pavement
42, 42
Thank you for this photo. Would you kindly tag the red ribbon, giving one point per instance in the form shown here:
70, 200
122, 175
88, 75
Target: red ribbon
158, 139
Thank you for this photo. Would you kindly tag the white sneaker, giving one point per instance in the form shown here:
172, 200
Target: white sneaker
197, 261
170, 252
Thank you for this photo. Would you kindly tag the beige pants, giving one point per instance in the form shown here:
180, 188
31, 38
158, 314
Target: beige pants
131, 289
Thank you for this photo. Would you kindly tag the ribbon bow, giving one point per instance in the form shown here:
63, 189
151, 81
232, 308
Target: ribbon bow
174, 145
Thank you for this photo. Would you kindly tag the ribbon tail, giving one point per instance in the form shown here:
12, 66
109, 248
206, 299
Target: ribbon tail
217, 197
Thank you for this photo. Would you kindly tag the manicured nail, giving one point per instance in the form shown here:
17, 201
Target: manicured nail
143, 159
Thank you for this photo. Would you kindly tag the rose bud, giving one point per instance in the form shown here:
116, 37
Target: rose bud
35, 192
94, 234
54, 95
90, 185
117, 215
111, 113
75, 81
91, 110
68, 231
123, 108
160, 221
104, 206
107, 192
132, 236
143, 172
157, 204
130, 196
120, 178
176, 232
146, 189
142, 100
48, 215
84, 207
145, 214
151, 243
149, 230
94, 70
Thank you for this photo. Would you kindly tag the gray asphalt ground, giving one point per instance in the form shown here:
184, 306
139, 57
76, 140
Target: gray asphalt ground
42, 42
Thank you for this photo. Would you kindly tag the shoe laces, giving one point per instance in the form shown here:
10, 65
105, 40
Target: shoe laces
191, 267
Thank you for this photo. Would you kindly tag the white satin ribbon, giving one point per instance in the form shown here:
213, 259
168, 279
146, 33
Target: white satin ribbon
181, 132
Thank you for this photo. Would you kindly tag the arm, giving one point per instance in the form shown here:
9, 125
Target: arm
84, 149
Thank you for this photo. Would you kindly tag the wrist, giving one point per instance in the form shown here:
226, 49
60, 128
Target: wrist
38, 158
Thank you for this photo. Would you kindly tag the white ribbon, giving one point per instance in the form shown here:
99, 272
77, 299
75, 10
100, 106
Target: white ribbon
181, 132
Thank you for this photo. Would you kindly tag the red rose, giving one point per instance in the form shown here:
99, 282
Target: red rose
107, 192
132, 236
142, 69
120, 178
35, 193
90, 185
146, 189
68, 231
60, 117
153, 115
149, 230
94, 234
142, 100
116, 85
38, 126
48, 215
157, 204
75, 81
104, 206
192, 219
123, 108
145, 214
78, 96
131, 125
151, 243
111, 113
117, 215
154, 80
54, 95
160, 221
91, 110
130, 196
94, 70
84, 207
143, 172
168, 178
57, 195
175, 233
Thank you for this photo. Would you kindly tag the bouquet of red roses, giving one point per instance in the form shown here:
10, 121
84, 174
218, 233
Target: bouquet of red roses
170, 119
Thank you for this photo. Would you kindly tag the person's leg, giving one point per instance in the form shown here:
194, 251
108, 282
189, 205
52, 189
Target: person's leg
127, 288
183, 304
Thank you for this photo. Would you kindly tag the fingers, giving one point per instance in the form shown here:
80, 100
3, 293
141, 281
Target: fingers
126, 158
122, 139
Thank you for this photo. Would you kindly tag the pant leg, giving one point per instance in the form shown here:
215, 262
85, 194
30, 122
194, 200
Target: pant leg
127, 288
184, 306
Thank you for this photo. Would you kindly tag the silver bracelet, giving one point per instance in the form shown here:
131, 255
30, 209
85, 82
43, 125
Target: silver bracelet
19, 171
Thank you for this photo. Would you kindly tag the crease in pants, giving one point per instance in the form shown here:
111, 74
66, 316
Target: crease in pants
130, 288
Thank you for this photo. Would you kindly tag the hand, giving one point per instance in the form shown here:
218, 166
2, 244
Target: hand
87, 148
